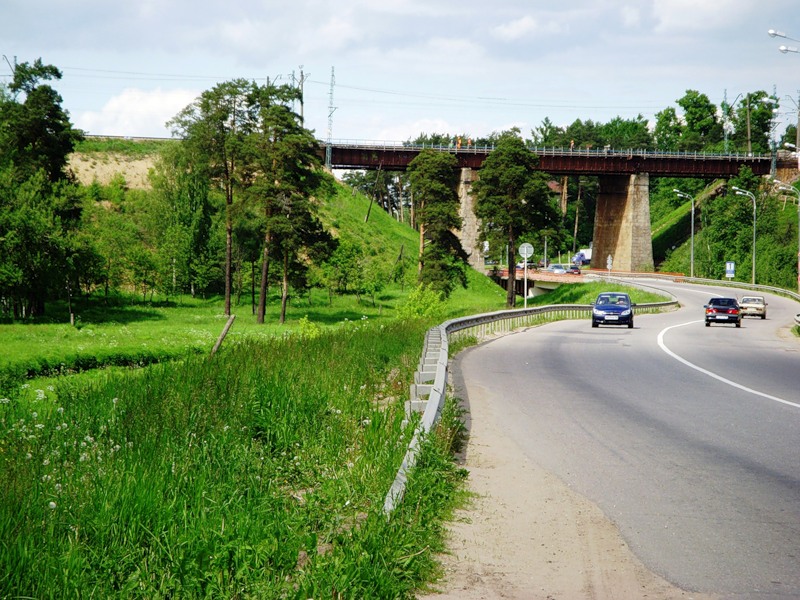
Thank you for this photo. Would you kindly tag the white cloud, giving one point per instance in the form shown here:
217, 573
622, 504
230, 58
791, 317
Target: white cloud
524, 27
683, 15
631, 16
136, 112
516, 29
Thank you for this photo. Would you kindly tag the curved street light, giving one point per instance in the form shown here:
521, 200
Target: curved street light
686, 196
789, 188
741, 192
775, 33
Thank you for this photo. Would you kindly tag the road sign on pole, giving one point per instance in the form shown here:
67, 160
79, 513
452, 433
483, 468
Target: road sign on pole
609, 262
730, 269
525, 251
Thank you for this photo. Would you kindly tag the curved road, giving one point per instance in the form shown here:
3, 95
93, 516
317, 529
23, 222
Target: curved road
686, 436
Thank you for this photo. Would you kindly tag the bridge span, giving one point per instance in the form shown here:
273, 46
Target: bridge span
622, 218
392, 156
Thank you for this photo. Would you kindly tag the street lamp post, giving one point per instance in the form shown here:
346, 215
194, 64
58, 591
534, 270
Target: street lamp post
741, 192
686, 196
788, 188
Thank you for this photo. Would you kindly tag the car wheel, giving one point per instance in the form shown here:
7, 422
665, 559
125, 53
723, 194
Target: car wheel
594, 323
630, 324
764, 316
738, 323
708, 323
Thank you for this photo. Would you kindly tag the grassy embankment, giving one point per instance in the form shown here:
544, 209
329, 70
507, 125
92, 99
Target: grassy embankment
258, 473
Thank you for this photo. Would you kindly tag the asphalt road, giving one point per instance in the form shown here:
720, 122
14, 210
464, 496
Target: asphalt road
686, 436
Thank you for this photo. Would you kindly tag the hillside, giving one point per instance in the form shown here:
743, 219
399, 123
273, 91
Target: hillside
344, 214
103, 167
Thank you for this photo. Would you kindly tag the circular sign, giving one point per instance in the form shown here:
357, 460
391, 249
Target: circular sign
525, 250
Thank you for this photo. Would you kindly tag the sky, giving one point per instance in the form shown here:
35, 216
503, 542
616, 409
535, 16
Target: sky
389, 70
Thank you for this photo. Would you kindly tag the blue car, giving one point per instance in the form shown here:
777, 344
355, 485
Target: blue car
612, 308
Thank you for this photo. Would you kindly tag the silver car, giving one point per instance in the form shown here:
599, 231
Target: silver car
753, 306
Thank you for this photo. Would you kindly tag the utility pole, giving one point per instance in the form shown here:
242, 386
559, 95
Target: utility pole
797, 129
749, 145
300, 83
331, 109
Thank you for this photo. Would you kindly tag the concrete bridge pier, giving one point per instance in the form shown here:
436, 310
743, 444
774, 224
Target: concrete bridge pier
622, 223
470, 227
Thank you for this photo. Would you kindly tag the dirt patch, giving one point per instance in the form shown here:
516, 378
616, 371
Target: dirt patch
103, 167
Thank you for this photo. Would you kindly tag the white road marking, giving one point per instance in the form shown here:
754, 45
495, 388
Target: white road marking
663, 346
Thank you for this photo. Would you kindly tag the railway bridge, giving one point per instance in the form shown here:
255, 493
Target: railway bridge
622, 218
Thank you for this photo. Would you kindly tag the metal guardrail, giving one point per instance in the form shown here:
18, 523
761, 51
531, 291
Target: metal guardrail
428, 392
678, 278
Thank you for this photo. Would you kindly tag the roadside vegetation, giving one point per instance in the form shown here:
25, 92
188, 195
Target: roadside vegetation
586, 293
252, 474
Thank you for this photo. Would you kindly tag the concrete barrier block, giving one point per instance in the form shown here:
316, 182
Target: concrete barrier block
420, 389
416, 406
424, 376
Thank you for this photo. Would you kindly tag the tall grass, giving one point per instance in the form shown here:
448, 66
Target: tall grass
259, 473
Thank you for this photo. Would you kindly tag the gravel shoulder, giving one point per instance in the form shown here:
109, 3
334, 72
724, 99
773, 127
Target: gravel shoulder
527, 535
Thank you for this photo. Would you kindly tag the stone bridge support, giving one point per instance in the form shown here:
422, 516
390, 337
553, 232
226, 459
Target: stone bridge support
470, 227
622, 223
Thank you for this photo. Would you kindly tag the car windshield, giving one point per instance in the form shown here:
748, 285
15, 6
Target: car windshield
753, 300
612, 300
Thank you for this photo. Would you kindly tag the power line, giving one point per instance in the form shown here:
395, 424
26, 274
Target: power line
441, 99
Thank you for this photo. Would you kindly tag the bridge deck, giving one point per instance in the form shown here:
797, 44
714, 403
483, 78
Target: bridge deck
560, 161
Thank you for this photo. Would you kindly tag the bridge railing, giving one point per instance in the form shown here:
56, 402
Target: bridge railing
550, 150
